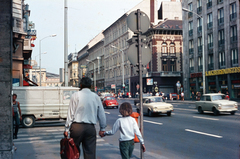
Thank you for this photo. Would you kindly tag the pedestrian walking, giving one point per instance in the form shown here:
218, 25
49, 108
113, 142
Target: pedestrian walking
170, 96
17, 117
182, 96
193, 96
85, 109
128, 128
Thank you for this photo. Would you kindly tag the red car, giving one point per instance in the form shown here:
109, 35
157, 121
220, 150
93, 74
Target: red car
110, 102
174, 96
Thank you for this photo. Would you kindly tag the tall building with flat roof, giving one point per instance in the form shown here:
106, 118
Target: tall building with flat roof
219, 22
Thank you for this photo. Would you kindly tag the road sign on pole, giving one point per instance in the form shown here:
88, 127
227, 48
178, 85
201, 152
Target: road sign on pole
141, 26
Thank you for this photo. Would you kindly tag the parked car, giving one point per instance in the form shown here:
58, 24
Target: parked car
155, 105
110, 102
216, 103
174, 96
104, 94
138, 101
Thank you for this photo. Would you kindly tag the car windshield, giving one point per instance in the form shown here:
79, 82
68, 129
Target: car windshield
157, 99
217, 97
107, 95
110, 98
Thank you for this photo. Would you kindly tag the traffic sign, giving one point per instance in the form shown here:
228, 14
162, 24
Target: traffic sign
133, 54
132, 21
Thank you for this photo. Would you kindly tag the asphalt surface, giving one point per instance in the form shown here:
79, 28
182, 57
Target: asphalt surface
184, 135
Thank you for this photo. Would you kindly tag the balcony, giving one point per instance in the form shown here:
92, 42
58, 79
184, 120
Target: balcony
200, 49
221, 42
164, 54
210, 45
190, 32
220, 21
233, 39
191, 69
209, 25
233, 16
199, 10
210, 66
200, 67
191, 51
199, 29
221, 64
172, 54
170, 74
190, 14
209, 4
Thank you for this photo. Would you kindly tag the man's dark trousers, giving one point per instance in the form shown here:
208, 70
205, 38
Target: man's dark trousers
85, 134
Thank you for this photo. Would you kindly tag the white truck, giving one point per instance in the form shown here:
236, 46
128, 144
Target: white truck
40, 103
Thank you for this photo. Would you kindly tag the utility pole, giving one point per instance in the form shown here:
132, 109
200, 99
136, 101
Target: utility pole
65, 45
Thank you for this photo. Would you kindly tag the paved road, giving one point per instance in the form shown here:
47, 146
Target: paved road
186, 134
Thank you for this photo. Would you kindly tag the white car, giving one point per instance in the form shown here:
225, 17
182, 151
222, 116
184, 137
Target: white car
216, 103
155, 105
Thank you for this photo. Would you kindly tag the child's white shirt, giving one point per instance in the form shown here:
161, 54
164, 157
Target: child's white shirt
128, 128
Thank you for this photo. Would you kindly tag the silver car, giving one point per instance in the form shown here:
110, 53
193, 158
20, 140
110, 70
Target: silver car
216, 103
155, 105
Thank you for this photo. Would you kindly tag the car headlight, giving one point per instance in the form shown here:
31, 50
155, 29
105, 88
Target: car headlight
235, 104
219, 105
155, 109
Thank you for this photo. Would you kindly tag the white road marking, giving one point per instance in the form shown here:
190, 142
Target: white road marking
202, 133
204, 118
147, 121
107, 112
191, 107
185, 109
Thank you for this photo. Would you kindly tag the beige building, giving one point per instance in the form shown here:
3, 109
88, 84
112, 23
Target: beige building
73, 70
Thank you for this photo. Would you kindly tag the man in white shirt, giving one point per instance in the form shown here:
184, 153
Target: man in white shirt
85, 109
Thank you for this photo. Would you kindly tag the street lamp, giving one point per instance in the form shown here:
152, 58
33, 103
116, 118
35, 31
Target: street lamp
122, 62
94, 67
203, 54
53, 35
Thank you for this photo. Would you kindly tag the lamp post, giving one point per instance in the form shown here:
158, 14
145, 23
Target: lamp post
94, 67
122, 63
53, 35
203, 54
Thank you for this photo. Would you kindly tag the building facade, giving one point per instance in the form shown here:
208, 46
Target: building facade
73, 70
221, 25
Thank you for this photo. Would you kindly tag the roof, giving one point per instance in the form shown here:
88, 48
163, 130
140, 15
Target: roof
169, 24
52, 75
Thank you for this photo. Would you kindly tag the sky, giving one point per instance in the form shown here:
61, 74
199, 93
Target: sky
86, 19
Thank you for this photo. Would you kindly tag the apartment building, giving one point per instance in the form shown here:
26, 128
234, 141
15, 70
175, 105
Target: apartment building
73, 70
218, 21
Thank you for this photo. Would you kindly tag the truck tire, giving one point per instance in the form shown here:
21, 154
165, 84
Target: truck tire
28, 121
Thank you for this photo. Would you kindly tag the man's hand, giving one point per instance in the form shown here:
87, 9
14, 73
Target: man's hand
20, 118
65, 134
143, 148
101, 133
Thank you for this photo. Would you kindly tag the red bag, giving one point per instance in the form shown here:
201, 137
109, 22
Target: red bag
68, 149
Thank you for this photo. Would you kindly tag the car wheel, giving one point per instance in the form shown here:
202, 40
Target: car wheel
200, 110
117, 107
28, 121
233, 113
150, 113
138, 111
104, 106
215, 111
169, 113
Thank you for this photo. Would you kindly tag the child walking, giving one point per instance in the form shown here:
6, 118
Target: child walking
128, 128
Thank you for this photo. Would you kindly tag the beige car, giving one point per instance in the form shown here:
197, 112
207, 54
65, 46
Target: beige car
155, 105
216, 103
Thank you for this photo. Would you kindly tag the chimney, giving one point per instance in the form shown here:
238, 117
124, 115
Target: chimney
152, 7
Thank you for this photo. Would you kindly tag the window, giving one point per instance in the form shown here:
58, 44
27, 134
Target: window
172, 48
220, 37
199, 6
190, 46
234, 57
221, 59
209, 19
233, 33
210, 62
210, 41
164, 65
191, 64
219, 1
199, 25
200, 44
209, 4
190, 14
233, 12
164, 48
190, 28
173, 65
220, 16
200, 64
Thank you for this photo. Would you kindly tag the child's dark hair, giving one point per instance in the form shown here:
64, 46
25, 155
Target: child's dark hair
125, 109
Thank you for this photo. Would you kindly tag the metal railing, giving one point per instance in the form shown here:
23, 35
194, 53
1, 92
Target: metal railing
220, 21
210, 66
199, 9
233, 16
210, 25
